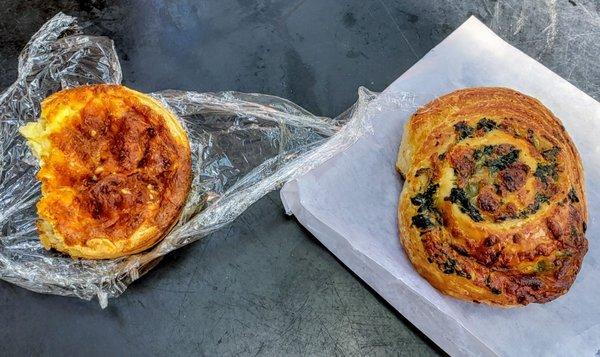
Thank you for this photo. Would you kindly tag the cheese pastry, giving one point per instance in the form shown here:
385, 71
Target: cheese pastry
115, 169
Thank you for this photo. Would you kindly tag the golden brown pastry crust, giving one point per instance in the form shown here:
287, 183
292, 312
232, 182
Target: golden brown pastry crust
492, 209
115, 171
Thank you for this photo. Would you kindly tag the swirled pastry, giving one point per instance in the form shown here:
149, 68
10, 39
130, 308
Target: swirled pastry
492, 209
115, 169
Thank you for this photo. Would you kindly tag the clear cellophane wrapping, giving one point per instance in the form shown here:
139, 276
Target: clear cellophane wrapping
243, 146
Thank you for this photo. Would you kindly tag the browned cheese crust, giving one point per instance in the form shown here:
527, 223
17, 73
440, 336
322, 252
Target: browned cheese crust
115, 171
492, 209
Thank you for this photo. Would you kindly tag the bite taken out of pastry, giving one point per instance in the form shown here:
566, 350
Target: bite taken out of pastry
115, 169
493, 208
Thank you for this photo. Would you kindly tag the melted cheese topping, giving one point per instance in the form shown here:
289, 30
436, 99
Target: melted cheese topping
115, 170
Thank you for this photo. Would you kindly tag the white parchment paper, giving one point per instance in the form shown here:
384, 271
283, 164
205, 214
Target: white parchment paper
349, 203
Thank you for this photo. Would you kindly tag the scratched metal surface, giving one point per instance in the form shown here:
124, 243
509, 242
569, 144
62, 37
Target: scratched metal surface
264, 286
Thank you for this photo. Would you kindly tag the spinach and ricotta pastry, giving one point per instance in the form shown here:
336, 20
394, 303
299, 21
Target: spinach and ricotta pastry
492, 209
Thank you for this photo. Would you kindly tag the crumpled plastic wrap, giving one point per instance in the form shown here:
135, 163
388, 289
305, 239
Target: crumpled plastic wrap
243, 146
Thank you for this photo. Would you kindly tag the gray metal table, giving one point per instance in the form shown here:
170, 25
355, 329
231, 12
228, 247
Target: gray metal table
264, 285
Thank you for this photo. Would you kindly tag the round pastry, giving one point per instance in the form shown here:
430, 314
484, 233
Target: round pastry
115, 169
492, 209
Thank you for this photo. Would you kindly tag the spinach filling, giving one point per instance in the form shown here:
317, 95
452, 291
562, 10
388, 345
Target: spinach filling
449, 266
487, 150
550, 154
502, 162
493, 162
421, 221
427, 214
463, 130
424, 200
486, 125
459, 197
542, 266
545, 171
535, 206
573, 196
493, 289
